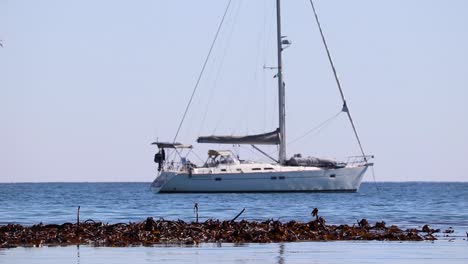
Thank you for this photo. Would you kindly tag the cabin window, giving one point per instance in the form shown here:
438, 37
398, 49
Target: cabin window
238, 169
267, 168
256, 169
217, 179
333, 176
223, 169
281, 177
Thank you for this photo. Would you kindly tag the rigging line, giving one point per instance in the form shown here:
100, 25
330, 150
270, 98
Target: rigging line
198, 157
221, 64
315, 128
345, 107
262, 75
268, 49
375, 182
169, 155
178, 153
191, 151
235, 10
253, 153
264, 153
202, 70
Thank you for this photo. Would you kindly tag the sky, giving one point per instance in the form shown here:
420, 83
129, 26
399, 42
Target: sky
86, 86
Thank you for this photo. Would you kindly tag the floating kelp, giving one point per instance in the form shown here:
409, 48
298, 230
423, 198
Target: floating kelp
152, 231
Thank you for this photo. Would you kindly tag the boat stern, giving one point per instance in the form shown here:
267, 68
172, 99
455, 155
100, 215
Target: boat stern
161, 180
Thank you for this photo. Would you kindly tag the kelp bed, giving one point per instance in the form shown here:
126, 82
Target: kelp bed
152, 231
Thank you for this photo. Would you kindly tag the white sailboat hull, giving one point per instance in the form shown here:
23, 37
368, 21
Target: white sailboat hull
295, 179
224, 172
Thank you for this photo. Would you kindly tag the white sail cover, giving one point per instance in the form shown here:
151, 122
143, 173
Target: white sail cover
271, 138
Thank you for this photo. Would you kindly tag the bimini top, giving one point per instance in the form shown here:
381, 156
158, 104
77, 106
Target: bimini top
271, 138
171, 145
216, 153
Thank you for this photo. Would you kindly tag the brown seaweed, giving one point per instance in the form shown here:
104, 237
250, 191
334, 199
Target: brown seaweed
152, 232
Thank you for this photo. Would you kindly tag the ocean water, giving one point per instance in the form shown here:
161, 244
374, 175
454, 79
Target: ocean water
441, 205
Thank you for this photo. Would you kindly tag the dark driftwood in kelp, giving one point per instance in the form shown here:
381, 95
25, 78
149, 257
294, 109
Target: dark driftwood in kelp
163, 231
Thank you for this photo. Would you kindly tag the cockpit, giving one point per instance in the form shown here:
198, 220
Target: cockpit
221, 157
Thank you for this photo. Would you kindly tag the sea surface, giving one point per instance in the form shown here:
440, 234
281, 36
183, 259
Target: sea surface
413, 204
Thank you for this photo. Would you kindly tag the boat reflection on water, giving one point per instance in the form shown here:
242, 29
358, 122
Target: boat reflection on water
281, 253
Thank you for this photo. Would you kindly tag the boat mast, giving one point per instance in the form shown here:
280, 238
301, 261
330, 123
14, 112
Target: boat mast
281, 94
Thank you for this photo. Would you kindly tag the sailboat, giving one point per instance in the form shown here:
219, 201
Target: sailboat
223, 171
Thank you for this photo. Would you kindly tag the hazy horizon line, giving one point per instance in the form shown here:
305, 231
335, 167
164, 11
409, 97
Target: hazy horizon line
149, 182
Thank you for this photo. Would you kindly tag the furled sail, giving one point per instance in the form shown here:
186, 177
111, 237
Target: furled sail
271, 138
174, 145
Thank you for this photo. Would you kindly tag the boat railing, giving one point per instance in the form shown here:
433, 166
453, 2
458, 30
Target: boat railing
359, 160
175, 166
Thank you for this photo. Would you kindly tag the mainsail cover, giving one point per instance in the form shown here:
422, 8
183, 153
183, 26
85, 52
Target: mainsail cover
271, 138
174, 145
